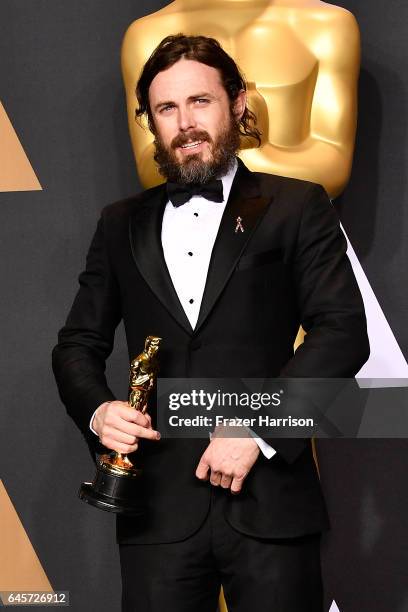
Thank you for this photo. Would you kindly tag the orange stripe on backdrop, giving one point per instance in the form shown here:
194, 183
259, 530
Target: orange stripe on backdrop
16, 172
20, 568
222, 606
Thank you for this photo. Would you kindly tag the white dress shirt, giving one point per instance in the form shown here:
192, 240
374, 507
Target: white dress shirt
188, 236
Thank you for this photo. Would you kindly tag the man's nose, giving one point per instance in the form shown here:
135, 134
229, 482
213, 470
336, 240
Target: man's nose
186, 118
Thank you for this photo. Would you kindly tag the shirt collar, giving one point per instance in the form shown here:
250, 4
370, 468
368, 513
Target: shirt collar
227, 180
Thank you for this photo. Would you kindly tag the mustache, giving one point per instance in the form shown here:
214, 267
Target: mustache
182, 138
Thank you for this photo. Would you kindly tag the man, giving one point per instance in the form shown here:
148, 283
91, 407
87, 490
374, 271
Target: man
224, 265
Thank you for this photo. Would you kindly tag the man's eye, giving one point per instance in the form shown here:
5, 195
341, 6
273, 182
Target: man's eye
202, 100
166, 108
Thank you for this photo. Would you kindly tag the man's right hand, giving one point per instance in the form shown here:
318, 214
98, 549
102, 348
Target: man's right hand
119, 426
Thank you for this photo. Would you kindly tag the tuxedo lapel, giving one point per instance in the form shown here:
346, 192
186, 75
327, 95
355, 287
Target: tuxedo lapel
245, 201
145, 240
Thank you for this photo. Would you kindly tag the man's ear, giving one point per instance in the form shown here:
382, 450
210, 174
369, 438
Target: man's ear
240, 104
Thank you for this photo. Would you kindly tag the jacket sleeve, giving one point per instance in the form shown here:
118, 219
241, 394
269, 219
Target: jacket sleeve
86, 340
330, 306
329, 300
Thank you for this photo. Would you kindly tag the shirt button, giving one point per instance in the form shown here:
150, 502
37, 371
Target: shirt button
191, 301
190, 253
196, 214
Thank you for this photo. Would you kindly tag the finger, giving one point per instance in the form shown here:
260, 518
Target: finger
120, 436
122, 410
215, 478
134, 416
129, 436
202, 470
125, 449
116, 423
149, 420
148, 434
237, 483
226, 481
142, 419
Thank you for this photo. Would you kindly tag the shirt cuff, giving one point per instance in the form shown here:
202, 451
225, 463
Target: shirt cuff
92, 418
267, 450
90, 423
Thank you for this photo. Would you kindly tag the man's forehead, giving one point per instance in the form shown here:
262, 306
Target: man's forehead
185, 78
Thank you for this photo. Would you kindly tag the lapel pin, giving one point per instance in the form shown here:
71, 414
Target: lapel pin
239, 226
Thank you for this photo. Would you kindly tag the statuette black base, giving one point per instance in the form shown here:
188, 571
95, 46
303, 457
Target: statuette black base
114, 491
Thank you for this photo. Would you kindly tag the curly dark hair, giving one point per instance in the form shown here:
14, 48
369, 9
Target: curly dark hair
201, 49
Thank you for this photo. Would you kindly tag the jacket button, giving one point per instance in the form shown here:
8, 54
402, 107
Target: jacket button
195, 345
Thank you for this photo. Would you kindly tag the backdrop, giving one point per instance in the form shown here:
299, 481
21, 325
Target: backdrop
64, 154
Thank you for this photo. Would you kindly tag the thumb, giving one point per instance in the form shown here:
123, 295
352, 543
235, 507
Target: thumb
202, 469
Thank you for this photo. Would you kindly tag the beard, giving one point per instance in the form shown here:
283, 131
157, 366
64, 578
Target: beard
193, 169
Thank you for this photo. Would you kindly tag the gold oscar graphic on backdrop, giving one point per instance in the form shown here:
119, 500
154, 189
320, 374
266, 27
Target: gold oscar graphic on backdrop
20, 568
301, 59
16, 172
115, 486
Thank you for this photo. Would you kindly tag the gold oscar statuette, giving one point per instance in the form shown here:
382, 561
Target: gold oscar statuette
114, 487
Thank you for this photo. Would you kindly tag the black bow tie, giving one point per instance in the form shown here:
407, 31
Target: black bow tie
180, 193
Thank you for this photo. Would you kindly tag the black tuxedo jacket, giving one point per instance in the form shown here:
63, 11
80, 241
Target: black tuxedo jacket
288, 267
